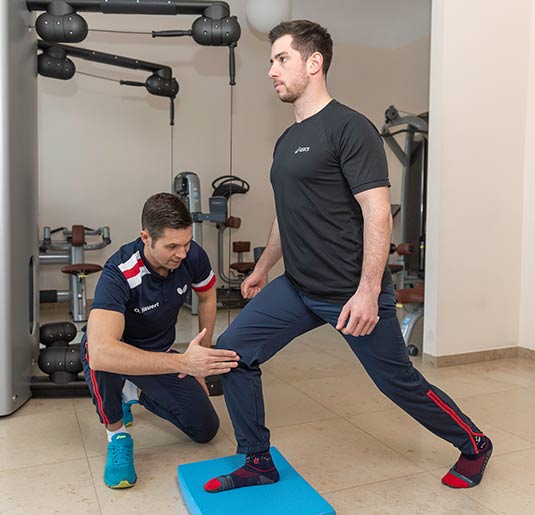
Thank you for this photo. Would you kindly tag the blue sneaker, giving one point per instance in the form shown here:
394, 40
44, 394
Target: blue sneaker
128, 418
119, 471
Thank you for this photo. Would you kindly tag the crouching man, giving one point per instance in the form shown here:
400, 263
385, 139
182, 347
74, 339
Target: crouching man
126, 351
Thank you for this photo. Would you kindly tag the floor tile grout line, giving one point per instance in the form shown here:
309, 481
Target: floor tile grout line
394, 478
528, 388
483, 422
46, 464
500, 456
80, 430
92, 474
295, 424
18, 414
406, 476
387, 445
141, 449
472, 396
314, 400
464, 492
87, 460
480, 504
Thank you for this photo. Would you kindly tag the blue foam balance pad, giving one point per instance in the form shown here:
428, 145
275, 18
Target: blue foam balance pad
291, 495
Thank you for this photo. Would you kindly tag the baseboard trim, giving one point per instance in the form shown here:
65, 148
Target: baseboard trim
477, 357
526, 353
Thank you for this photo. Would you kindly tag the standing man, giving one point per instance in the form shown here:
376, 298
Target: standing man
333, 227
131, 330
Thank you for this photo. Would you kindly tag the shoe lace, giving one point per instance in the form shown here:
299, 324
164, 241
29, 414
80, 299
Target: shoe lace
121, 455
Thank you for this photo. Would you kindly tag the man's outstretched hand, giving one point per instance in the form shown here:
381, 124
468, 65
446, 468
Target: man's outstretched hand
199, 361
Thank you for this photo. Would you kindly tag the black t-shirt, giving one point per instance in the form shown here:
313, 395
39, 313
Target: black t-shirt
318, 165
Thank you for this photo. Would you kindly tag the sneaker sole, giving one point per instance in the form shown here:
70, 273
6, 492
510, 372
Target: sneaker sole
122, 484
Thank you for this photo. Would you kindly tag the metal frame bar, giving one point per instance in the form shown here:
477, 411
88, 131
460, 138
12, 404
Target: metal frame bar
165, 7
111, 59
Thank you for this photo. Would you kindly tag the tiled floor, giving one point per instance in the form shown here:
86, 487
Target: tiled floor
369, 457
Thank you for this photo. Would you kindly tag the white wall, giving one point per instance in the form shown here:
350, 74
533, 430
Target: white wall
479, 72
527, 282
105, 148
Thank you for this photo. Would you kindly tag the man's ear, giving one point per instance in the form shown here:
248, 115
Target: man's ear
145, 236
315, 63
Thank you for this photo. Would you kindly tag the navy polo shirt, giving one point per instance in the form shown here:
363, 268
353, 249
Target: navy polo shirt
149, 301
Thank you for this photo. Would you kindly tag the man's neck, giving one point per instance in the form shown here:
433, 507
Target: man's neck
310, 103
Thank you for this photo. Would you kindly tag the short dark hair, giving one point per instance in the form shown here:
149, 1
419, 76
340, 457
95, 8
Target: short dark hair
164, 211
308, 37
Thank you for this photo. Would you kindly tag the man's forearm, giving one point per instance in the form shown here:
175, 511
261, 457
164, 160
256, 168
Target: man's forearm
273, 251
376, 213
207, 316
377, 234
121, 358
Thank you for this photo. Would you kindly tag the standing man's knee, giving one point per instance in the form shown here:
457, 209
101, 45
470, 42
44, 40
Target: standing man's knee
225, 341
231, 340
399, 383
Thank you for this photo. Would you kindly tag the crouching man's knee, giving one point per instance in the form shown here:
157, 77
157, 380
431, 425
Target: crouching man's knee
205, 432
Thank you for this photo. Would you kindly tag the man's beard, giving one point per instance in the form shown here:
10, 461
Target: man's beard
294, 93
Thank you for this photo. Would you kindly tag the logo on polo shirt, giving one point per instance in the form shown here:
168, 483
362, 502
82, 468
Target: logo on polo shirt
182, 290
301, 149
144, 309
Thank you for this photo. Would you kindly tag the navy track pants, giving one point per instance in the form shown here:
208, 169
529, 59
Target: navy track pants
182, 402
280, 313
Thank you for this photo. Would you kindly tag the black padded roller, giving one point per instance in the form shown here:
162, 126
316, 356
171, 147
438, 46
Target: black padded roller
58, 28
57, 332
63, 364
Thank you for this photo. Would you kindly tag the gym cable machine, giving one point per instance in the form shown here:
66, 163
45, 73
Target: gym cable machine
61, 23
413, 158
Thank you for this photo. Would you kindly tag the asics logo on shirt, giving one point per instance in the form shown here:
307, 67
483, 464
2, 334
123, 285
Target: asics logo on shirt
301, 149
146, 308
182, 290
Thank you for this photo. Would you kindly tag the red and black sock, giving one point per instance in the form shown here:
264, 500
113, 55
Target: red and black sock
259, 469
469, 469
